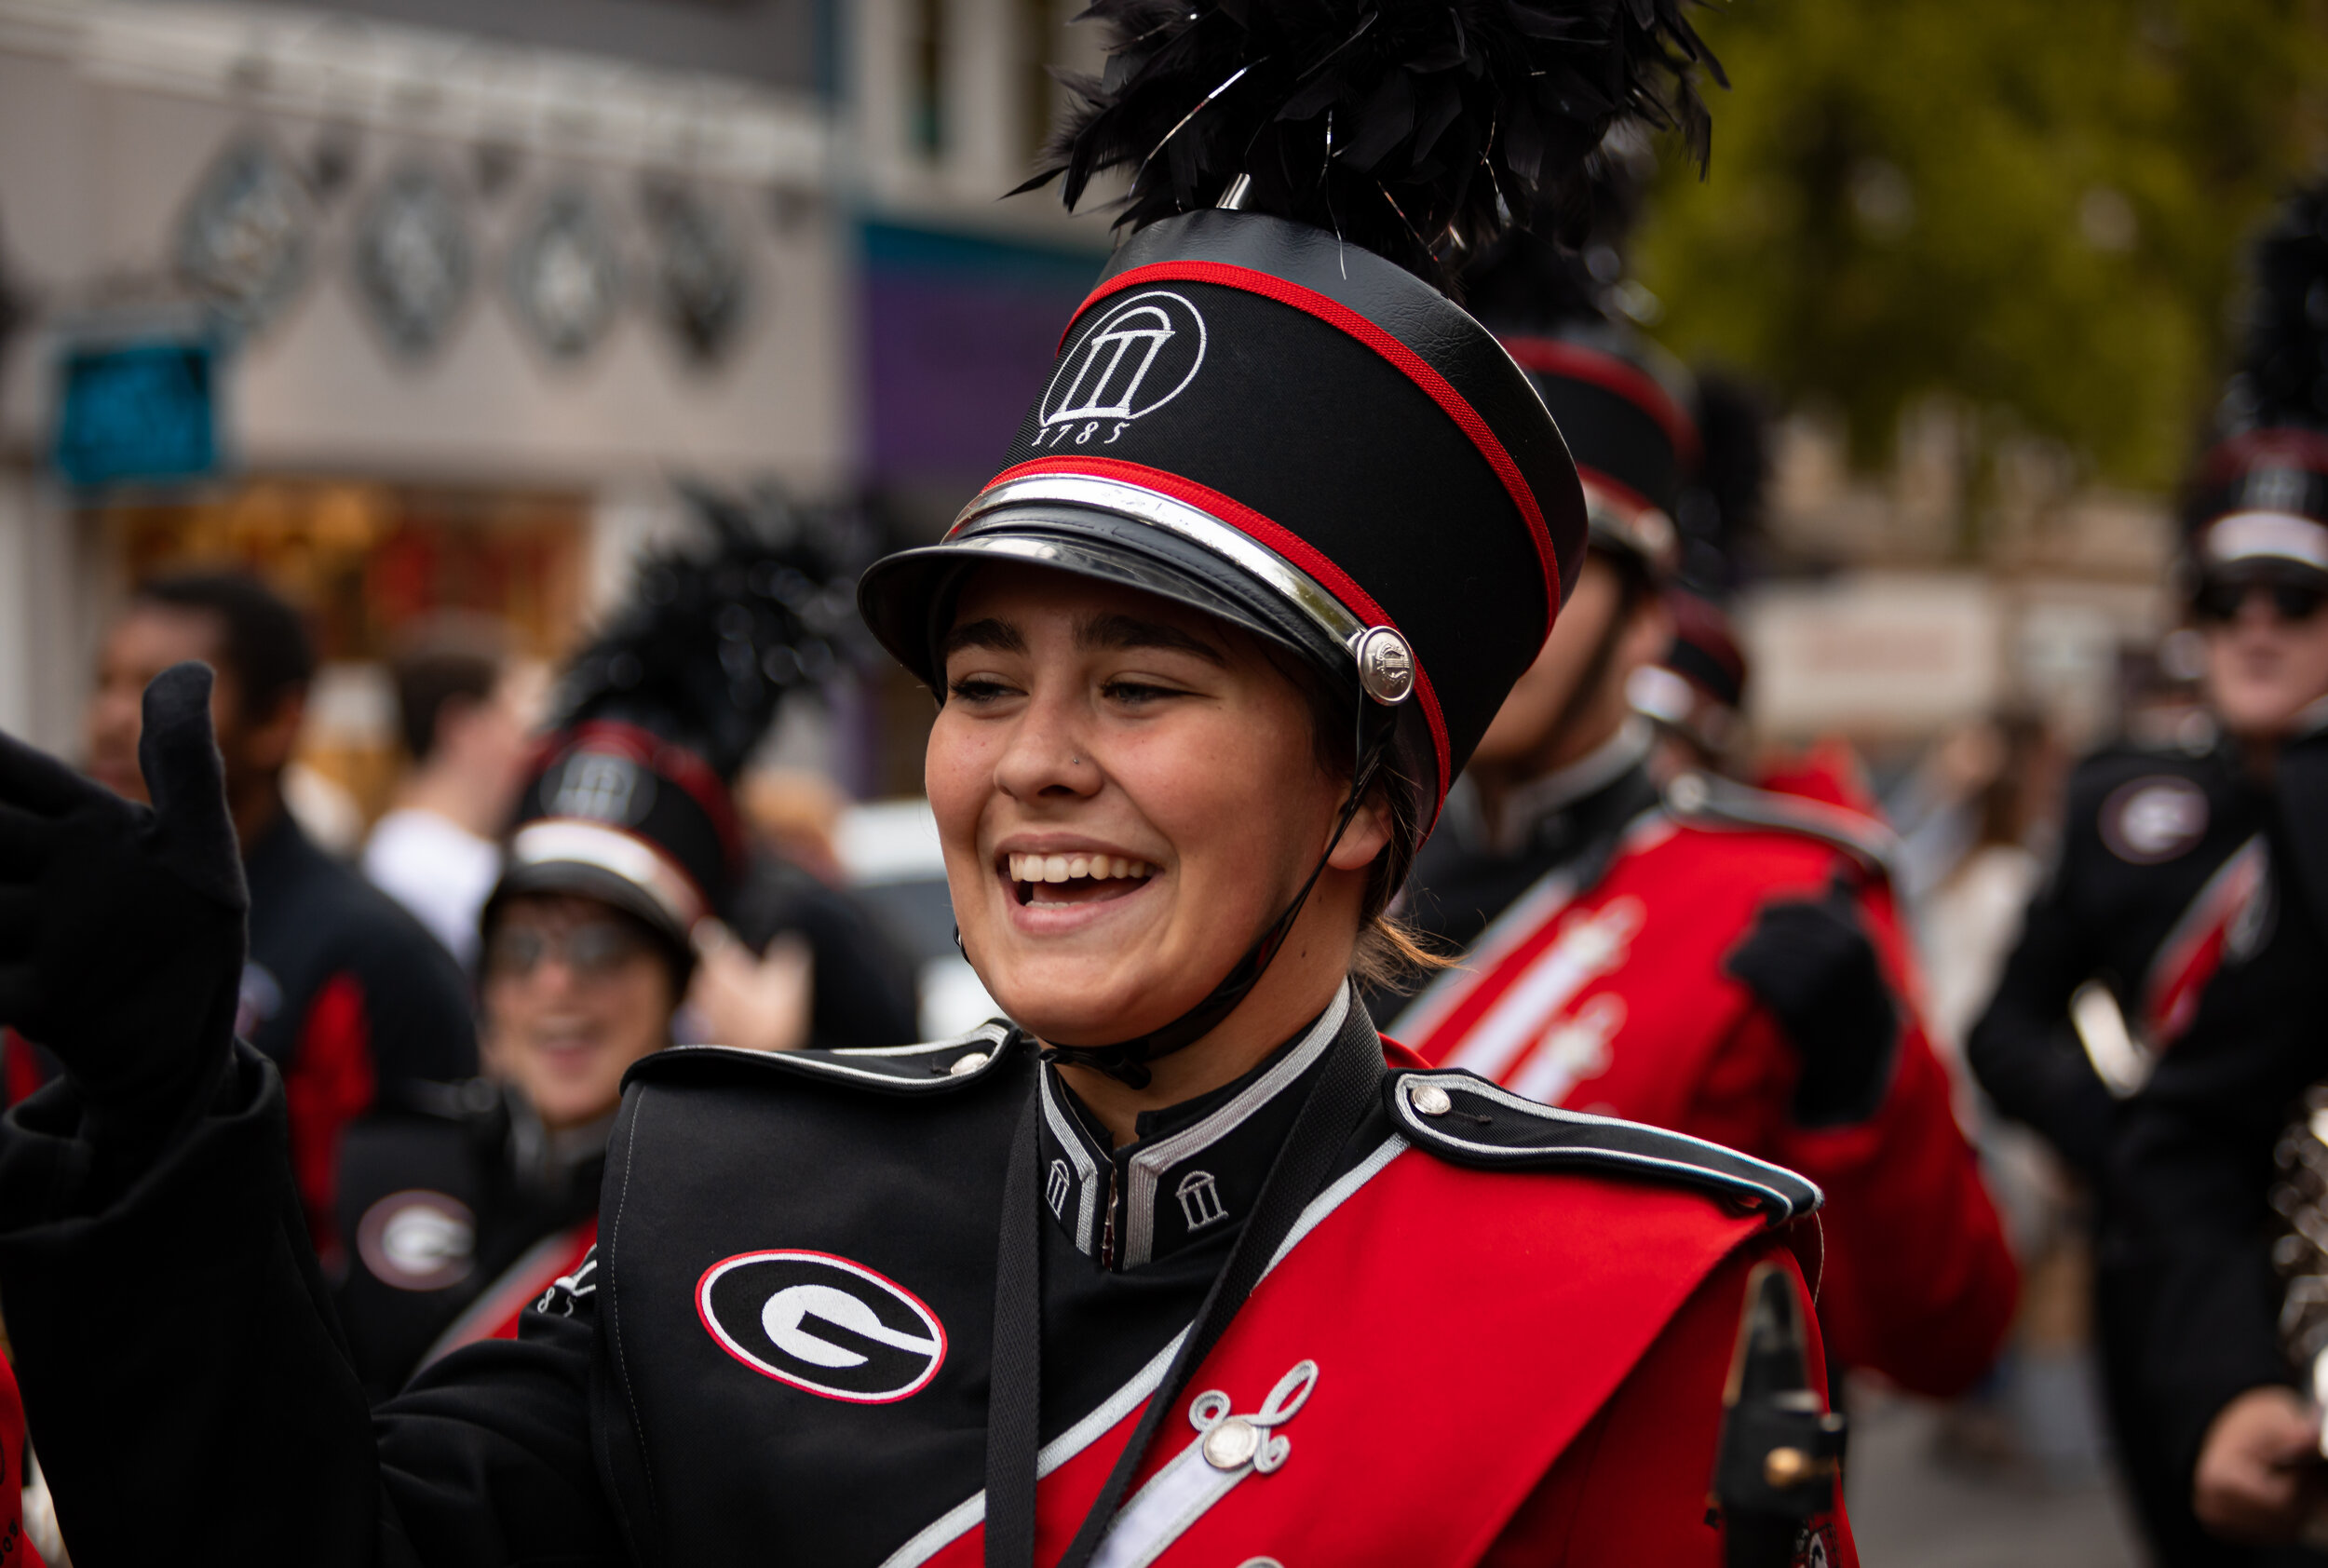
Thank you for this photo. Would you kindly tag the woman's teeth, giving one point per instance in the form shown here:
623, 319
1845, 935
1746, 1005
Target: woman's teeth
1069, 868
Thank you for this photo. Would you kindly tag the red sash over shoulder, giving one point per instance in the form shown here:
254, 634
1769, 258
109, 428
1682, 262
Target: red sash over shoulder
1501, 1311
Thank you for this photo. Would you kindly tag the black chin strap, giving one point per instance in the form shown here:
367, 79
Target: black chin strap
1126, 1061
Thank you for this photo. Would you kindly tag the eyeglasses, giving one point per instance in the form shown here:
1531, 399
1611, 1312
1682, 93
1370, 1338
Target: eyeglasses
2219, 600
592, 952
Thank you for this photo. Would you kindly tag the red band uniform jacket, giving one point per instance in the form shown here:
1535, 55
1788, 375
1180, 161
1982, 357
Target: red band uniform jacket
1729, 964
1498, 1335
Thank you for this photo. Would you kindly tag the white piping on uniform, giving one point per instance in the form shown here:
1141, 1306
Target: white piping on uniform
1146, 1167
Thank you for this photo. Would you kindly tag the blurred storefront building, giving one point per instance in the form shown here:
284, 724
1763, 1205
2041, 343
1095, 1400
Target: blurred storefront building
417, 306
1890, 607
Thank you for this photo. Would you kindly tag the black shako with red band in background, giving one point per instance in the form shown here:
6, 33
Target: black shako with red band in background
617, 813
2259, 504
1252, 417
1635, 445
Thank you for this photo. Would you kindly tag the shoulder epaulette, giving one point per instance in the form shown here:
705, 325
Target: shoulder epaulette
932, 1067
1467, 1120
1704, 801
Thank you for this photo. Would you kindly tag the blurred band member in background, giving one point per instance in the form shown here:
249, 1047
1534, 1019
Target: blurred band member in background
347, 993
470, 1203
624, 872
1709, 958
1695, 691
463, 714
2162, 1009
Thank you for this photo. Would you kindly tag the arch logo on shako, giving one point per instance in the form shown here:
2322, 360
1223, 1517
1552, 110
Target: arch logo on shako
1138, 356
823, 1324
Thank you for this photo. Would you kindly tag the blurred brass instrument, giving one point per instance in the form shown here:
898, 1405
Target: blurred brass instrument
2299, 1196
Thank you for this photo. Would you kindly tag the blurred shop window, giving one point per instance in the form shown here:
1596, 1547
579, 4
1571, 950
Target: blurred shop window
365, 559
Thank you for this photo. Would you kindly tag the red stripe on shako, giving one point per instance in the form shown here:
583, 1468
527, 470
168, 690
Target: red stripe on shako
1398, 355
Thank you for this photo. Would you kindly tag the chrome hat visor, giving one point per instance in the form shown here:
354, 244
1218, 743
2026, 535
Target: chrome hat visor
1113, 532
1119, 533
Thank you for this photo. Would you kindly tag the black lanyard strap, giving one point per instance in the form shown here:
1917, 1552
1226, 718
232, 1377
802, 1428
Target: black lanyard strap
1345, 1086
1014, 1401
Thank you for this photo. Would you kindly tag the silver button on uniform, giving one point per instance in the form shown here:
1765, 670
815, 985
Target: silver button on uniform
964, 1066
1232, 1443
1429, 1100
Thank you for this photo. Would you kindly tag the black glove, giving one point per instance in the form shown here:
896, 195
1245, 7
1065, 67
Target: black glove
1811, 964
121, 925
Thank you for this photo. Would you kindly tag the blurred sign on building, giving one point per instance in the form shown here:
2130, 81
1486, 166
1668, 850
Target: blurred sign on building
1877, 654
142, 410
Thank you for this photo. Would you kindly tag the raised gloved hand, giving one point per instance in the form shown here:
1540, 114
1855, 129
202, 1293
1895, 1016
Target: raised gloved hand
121, 925
1811, 964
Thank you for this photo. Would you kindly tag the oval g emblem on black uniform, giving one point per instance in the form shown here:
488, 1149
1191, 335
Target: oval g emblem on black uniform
822, 1324
2154, 820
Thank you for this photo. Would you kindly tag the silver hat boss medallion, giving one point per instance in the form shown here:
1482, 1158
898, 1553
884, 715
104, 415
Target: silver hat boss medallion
1386, 666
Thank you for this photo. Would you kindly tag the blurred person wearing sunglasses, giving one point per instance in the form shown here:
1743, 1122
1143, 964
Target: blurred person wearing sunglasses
473, 1200
2164, 1007
620, 878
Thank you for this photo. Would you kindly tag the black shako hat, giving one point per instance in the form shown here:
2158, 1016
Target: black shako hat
1551, 303
2259, 501
1266, 409
2260, 505
629, 798
1249, 417
617, 813
1635, 445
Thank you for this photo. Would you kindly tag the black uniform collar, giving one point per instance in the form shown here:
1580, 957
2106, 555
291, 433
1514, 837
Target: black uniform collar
1538, 810
1193, 1170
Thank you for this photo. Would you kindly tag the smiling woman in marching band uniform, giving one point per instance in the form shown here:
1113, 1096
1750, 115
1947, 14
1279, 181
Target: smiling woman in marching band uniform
1187, 1264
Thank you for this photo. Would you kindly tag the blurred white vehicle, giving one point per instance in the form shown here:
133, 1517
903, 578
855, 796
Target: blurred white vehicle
889, 849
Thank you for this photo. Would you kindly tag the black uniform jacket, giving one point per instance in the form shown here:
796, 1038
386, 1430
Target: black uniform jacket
2147, 829
2193, 890
823, 1221
447, 1199
348, 996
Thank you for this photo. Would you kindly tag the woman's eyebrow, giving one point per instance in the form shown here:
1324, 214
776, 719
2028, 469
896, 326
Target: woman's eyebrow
1000, 636
1119, 631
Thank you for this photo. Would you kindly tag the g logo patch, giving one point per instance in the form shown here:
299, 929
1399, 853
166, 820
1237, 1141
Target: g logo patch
2152, 820
417, 1240
823, 1324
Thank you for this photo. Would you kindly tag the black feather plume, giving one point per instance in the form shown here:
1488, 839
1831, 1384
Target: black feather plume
718, 631
1566, 265
2282, 378
1413, 127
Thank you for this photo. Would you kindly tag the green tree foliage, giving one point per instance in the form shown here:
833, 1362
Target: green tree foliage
2037, 207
